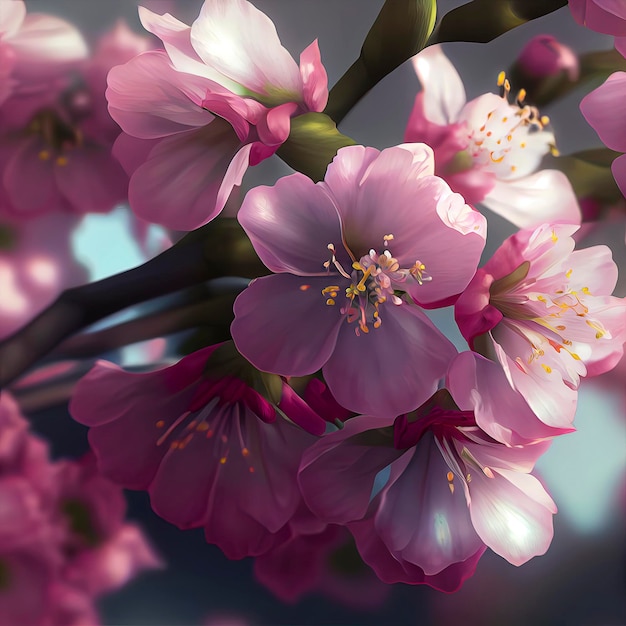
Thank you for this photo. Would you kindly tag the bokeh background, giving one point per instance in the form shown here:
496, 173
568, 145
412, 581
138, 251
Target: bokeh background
581, 581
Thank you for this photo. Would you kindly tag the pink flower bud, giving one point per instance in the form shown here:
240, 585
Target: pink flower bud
544, 56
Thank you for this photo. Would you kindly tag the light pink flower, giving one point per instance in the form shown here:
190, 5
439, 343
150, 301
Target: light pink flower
603, 111
219, 98
547, 314
352, 255
488, 149
210, 450
36, 264
603, 16
450, 490
544, 56
64, 138
34, 48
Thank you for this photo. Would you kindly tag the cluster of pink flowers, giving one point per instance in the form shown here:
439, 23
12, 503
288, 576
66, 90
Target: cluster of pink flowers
63, 539
338, 417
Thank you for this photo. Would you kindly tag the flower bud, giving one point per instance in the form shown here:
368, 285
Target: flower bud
544, 56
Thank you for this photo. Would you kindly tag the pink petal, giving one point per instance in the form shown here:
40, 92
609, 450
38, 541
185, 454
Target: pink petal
444, 94
11, 18
314, 78
146, 99
546, 196
284, 328
602, 110
273, 128
508, 517
337, 473
619, 173
480, 385
291, 224
603, 16
261, 64
406, 343
187, 178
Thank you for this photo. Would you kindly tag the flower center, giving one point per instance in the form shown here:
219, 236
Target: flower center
375, 279
58, 137
513, 139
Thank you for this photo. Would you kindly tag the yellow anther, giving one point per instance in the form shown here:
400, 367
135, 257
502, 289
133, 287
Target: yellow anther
501, 78
304, 287
496, 160
202, 427
487, 472
547, 368
450, 477
568, 274
245, 451
545, 120
330, 302
44, 155
61, 161
521, 95
554, 237
160, 424
223, 460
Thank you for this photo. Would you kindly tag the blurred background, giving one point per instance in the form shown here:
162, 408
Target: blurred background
581, 581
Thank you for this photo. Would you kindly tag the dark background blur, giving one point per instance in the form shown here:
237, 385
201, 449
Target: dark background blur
581, 581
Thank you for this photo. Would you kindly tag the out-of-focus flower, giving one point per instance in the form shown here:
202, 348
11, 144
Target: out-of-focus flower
36, 264
450, 490
547, 314
34, 48
603, 110
219, 98
489, 149
210, 449
352, 255
63, 139
603, 16
102, 552
545, 56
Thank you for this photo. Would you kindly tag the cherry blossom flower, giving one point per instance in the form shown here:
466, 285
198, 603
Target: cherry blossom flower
546, 313
34, 48
209, 449
64, 140
603, 111
219, 98
352, 255
603, 16
36, 264
489, 149
450, 490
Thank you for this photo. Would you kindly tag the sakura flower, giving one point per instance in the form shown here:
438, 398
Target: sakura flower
209, 449
102, 553
64, 140
603, 111
36, 264
352, 256
489, 149
219, 98
447, 490
34, 48
546, 313
603, 16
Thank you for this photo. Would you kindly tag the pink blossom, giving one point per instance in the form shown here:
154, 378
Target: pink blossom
603, 110
352, 256
34, 48
63, 139
36, 264
603, 16
450, 491
545, 56
209, 449
546, 313
489, 149
219, 98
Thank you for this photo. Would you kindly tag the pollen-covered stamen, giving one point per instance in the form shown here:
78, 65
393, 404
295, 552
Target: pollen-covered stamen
472, 461
58, 137
333, 261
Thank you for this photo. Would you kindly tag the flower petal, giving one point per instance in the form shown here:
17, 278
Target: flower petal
314, 78
283, 325
392, 369
546, 196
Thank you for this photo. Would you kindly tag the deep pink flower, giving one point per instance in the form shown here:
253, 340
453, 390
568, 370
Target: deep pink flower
603, 16
64, 138
219, 98
488, 149
547, 314
352, 255
603, 111
102, 553
34, 48
209, 449
450, 490
36, 264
